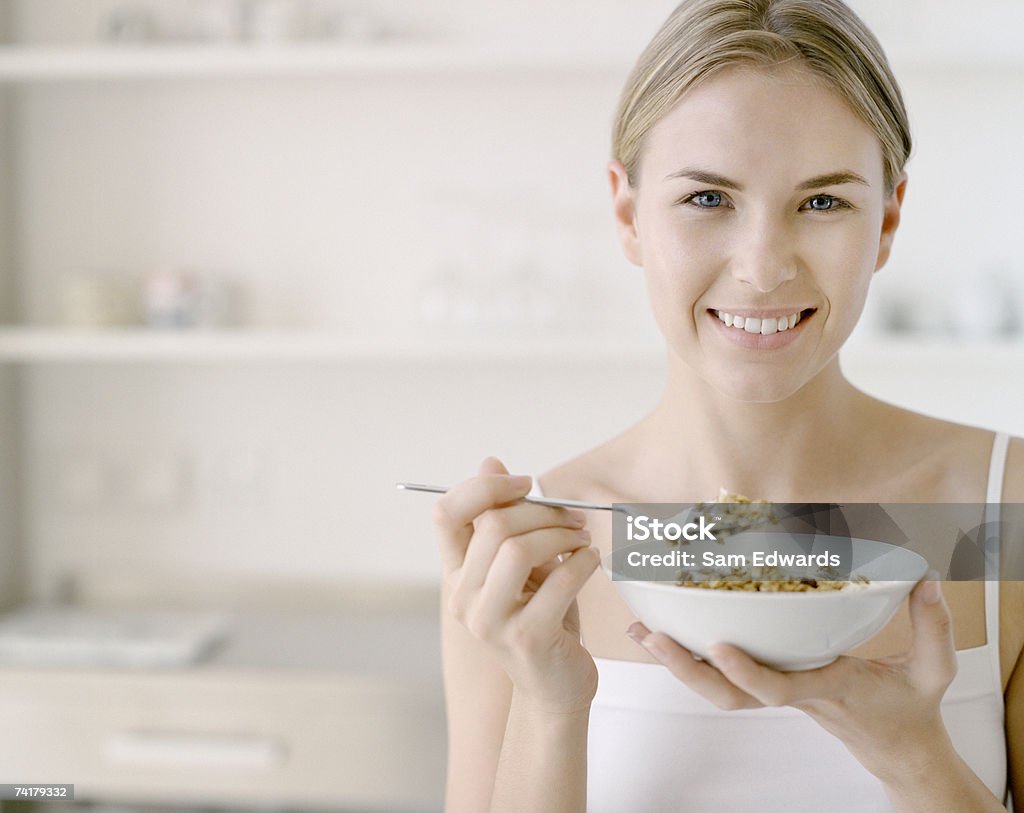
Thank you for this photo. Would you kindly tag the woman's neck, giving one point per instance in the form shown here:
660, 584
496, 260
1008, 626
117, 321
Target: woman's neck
697, 439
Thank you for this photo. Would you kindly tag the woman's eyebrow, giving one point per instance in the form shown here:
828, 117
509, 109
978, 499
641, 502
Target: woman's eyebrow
713, 179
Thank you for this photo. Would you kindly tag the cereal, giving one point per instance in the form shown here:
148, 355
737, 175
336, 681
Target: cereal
736, 513
759, 579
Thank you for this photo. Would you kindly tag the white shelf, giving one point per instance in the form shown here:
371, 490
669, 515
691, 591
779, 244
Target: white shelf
40, 345
42, 63
63, 63
953, 353
55, 345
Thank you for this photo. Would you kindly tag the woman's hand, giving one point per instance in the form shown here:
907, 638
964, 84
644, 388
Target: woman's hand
505, 584
886, 711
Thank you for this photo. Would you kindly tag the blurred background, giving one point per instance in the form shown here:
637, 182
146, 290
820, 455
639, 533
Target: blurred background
261, 259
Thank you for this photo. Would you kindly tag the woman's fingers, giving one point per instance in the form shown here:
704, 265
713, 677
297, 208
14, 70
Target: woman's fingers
518, 557
773, 688
554, 597
455, 511
497, 527
698, 675
932, 664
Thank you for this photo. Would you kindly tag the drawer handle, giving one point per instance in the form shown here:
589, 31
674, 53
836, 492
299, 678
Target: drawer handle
192, 749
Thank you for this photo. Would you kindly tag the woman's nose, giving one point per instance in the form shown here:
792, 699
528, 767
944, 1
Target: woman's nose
764, 256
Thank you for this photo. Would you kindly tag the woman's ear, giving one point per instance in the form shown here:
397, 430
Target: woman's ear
890, 220
625, 212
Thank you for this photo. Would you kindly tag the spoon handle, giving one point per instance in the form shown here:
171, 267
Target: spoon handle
538, 500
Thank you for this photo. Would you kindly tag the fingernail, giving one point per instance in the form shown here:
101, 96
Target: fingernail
578, 516
583, 534
522, 480
651, 646
635, 631
930, 588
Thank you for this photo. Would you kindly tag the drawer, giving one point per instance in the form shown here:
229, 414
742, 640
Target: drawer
228, 737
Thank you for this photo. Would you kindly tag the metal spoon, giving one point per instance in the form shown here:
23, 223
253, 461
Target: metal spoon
538, 500
726, 526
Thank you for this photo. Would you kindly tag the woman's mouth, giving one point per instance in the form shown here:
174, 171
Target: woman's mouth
765, 326
761, 333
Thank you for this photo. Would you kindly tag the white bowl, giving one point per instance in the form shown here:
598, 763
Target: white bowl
787, 631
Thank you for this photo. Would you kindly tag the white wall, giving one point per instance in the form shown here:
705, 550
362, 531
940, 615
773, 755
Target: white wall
292, 471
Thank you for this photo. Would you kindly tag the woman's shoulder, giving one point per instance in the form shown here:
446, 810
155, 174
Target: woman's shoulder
967, 442
586, 475
952, 459
573, 479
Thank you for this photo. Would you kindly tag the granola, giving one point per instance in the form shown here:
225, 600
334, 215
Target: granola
747, 514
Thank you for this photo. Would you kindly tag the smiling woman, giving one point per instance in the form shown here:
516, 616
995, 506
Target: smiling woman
757, 178
788, 213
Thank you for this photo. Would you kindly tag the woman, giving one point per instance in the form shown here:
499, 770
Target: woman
757, 178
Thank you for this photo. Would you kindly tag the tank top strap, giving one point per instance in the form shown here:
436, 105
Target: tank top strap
993, 500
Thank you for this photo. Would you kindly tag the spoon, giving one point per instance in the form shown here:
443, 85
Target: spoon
726, 524
538, 500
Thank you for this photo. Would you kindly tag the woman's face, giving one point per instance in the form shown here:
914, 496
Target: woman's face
760, 195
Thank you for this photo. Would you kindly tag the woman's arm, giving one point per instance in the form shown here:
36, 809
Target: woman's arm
518, 683
1015, 731
477, 697
1012, 601
543, 763
945, 772
933, 778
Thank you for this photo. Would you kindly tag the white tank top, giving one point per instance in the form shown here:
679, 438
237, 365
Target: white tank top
657, 746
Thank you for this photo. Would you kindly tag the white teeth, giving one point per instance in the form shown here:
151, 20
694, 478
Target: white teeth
765, 326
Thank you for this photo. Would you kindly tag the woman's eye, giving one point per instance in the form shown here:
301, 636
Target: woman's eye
715, 200
826, 203
704, 200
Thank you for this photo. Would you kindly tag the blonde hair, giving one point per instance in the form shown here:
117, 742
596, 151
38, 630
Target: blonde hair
703, 36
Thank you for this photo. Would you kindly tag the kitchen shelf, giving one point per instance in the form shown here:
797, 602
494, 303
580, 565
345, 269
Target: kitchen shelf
941, 353
31, 345
75, 63
39, 345
62, 63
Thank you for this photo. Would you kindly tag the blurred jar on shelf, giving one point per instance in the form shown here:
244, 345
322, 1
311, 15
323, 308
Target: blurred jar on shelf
206, 21
985, 304
183, 298
129, 23
270, 21
98, 299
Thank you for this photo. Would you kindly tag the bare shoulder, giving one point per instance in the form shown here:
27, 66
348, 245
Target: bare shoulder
578, 478
946, 461
590, 475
